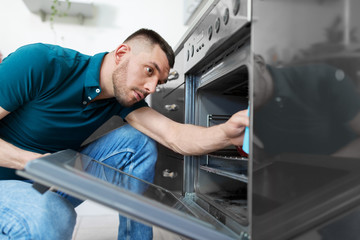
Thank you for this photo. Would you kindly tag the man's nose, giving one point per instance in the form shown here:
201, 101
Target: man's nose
151, 84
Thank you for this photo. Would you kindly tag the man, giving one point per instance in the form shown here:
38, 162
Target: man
53, 98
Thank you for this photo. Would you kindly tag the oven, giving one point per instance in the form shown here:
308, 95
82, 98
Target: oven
217, 70
301, 179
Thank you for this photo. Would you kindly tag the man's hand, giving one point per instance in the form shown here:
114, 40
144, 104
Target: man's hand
26, 157
234, 128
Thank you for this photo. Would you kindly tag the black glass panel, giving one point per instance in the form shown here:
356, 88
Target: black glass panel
306, 114
108, 174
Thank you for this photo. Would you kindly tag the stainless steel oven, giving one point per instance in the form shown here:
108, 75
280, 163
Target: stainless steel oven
217, 70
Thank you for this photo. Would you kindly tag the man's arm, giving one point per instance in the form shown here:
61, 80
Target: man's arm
12, 156
189, 139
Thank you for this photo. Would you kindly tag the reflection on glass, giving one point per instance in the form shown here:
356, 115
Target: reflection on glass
311, 108
123, 180
306, 119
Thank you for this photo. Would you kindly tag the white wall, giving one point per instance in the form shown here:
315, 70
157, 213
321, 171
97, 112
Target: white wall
114, 20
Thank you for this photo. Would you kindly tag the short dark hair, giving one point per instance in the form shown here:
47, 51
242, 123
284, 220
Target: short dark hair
155, 38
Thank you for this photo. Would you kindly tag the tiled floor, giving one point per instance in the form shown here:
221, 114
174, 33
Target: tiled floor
96, 222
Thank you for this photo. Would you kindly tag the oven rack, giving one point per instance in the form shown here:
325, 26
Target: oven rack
228, 154
227, 163
224, 172
225, 207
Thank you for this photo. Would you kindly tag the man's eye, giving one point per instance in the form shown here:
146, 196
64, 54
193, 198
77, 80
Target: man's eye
149, 70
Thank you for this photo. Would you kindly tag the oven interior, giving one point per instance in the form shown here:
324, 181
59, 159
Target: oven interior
221, 177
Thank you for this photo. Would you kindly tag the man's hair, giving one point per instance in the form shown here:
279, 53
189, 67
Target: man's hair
154, 38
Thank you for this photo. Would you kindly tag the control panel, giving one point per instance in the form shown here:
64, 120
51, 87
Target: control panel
226, 18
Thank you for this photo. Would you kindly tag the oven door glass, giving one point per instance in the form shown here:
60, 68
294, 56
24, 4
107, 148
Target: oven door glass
72, 173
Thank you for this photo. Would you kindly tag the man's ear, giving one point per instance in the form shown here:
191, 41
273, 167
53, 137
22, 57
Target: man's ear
120, 51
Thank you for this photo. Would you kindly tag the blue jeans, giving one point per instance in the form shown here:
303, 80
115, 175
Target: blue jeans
26, 214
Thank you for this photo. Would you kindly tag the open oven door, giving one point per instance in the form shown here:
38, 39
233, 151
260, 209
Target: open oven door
68, 171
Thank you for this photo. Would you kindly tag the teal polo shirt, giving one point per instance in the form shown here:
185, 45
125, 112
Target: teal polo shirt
48, 90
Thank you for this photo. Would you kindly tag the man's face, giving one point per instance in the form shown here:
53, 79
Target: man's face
138, 74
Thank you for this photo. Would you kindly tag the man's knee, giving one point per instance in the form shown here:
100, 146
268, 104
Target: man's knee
124, 148
123, 139
132, 134
26, 212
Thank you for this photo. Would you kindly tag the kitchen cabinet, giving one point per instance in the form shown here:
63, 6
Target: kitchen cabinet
169, 100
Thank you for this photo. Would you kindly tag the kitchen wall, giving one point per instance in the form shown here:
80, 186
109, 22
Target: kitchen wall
113, 21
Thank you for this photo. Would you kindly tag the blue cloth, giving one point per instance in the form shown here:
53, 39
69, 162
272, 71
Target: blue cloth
26, 214
47, 89
246, 142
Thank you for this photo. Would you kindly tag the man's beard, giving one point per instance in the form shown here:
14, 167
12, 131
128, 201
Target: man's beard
119, 82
